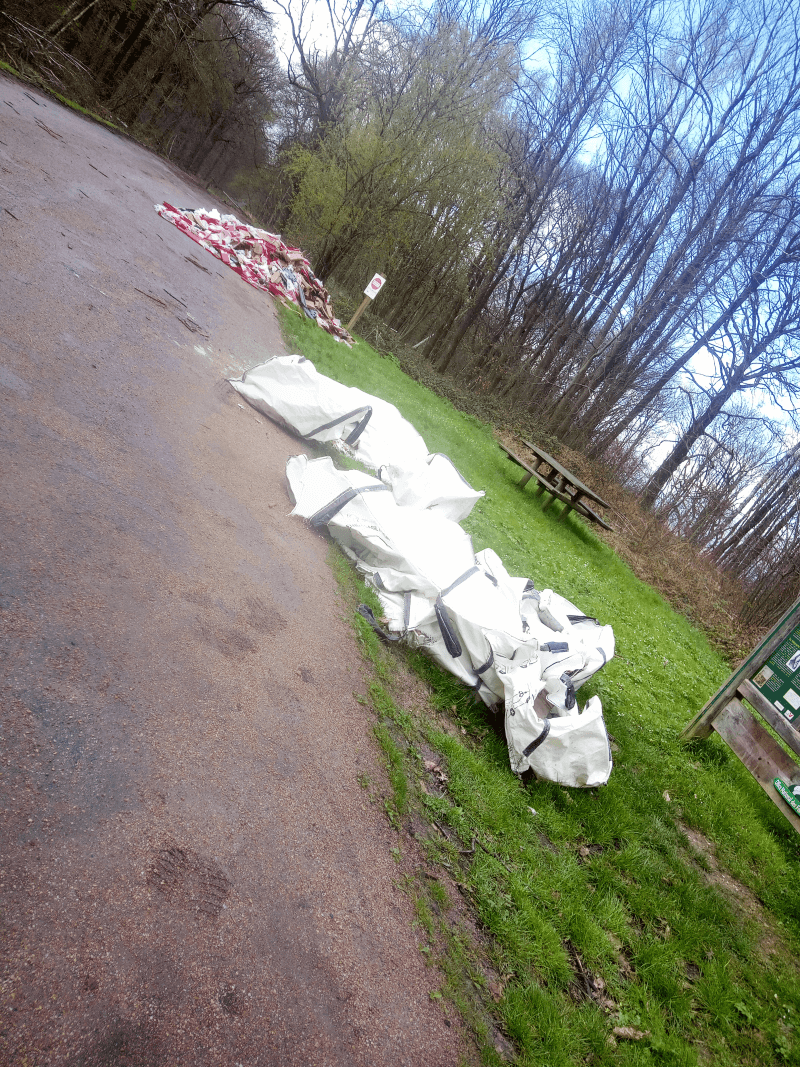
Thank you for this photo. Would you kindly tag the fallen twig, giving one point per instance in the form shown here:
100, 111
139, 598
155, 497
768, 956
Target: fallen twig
52, 133
190, 259
471, 851
155, 299
494, 856
193, 326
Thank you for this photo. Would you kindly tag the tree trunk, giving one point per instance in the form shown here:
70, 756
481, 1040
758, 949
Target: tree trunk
763, 272
684, 445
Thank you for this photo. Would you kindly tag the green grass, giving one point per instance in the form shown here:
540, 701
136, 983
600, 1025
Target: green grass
604, 881
41, 84
85, 111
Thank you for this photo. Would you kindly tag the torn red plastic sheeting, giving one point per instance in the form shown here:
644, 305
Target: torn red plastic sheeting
262, 259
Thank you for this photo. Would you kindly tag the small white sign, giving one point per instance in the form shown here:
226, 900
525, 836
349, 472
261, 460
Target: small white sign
375, 286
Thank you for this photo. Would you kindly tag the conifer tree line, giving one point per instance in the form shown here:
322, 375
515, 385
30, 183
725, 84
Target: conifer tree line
586, 211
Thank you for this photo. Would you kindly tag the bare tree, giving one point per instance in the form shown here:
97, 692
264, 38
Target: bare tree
327, 41
756, 350
769, 509
193, 76
705, 155
588, 293
704, 496
555, 115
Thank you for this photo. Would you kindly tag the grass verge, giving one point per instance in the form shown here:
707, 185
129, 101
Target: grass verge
33, 78
652, 921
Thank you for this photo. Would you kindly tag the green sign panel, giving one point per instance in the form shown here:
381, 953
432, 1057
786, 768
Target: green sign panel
779, 678
789, 792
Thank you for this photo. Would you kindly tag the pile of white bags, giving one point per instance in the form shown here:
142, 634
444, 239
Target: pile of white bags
516, 646
289, 390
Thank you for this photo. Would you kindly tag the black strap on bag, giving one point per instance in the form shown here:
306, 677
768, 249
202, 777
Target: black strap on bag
570, 699
366, 612
485, 666
459, 580
333, 507
355, 433
537, 740
451, 642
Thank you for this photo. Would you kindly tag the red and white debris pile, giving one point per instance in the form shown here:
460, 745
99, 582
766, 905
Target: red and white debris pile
262, 259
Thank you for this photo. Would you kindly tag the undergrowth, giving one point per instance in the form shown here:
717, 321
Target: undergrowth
651, 921
34, 78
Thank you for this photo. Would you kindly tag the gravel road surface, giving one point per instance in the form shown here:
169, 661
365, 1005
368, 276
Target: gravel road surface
190, 872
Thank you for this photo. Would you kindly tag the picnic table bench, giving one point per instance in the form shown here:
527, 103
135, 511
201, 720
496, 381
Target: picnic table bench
561, 484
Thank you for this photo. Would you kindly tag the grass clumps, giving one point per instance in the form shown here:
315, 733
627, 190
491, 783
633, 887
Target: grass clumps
653, 921
33, 78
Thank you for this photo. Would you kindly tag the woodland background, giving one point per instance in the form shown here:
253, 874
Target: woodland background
588, 215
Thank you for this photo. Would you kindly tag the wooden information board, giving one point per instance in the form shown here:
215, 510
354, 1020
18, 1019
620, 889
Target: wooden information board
769, 681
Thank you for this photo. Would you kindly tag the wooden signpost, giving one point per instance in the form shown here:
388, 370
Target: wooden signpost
372, 290
769, 680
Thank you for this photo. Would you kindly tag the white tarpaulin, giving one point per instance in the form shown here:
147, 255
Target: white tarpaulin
526, 649
290, 390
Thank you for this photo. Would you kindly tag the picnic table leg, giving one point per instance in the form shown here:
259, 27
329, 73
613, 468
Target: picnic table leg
539, 486
558, 486
570, 506
525, 480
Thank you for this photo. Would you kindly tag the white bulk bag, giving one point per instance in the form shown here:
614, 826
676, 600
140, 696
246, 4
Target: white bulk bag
435, 485
290, 390
411, 550
575, 750
509, 642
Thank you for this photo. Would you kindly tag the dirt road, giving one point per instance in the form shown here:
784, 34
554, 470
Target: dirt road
190, 872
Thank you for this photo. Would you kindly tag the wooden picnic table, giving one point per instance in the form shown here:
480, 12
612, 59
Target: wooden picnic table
561, 484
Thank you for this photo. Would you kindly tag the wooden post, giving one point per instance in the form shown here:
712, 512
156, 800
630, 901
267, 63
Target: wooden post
701, 724
357, 315
775, 770
372, 290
